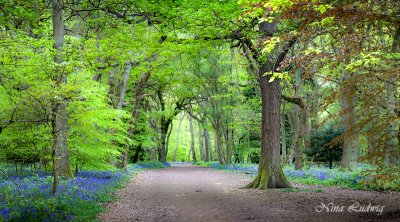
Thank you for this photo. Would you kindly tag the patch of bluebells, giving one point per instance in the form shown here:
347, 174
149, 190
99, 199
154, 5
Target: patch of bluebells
245, 168
295, 173
29, 198
153, 165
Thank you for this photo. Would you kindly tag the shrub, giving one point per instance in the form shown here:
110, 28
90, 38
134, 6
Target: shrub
325, 146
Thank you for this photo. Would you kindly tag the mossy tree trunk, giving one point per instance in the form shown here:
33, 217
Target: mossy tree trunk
270, 173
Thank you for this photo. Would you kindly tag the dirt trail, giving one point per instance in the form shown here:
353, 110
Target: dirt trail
191, 193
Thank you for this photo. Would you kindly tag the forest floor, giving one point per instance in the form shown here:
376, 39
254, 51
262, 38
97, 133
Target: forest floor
186, 192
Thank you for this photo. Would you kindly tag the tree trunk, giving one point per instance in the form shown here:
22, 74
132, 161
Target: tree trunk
59, 116
283, 131
207, 145
304, 131
294, 125
228, 147
137, 106
136, 156
165, 125
177, 140
169, 136
112, 87
163, 152
350, 138
298, 114
270, 173
125, 79
391, 139
192, 149
314, 104
249, 146
218, 142
201, 145
153, 154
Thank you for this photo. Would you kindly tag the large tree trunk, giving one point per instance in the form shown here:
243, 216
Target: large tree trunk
59, 116
270, 173
350, 138
391, 140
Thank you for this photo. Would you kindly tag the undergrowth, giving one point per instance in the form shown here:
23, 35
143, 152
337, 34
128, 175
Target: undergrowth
365, 177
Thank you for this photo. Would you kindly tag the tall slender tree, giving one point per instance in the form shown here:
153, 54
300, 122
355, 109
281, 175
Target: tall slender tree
59, 116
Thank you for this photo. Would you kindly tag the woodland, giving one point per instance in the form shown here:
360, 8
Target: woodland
94, 90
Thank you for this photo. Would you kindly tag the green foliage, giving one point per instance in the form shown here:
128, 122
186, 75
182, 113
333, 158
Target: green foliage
255, 155
97, 130
382, 178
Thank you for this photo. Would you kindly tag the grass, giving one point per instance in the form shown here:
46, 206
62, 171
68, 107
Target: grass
363, 178
28, 197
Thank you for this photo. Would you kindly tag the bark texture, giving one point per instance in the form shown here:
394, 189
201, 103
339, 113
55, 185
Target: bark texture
59, 114
392, 145
350, 138
270, 173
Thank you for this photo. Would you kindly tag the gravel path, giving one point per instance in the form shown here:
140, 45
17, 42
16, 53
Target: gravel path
191, 193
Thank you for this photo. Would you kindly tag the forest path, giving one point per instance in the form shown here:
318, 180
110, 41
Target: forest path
192, 193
